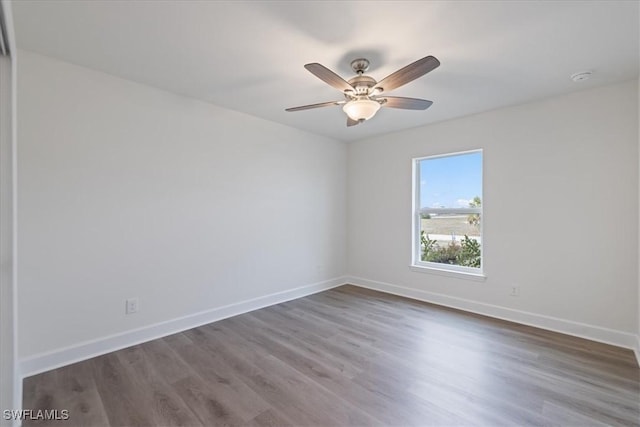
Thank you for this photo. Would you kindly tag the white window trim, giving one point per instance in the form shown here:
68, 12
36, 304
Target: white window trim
470, 273
477, 277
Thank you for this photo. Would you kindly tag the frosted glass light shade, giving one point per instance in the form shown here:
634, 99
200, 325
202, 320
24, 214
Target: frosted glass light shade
361, 109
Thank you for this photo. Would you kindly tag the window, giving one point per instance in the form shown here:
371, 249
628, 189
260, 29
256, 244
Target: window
447, 217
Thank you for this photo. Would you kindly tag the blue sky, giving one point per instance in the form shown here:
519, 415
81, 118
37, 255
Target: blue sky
450, 181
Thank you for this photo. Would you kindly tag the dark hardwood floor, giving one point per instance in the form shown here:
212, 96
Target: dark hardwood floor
349, 357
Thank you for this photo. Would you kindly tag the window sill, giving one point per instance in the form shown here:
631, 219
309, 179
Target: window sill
476, 277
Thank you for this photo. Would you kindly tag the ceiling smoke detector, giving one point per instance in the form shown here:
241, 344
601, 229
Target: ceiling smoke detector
581, 76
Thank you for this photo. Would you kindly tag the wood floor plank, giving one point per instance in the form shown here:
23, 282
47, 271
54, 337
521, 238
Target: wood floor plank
165, 361
39, 391
42, 394
206, 402
336, 345
349, 356
293, 341
222, 383
124, 402
268, 418
288, 391
168, 405
78, 394
343, 387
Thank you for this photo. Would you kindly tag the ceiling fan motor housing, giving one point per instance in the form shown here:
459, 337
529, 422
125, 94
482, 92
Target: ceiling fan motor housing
362, 84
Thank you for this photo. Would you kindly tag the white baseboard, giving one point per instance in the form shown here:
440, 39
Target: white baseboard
582, 330
88, 349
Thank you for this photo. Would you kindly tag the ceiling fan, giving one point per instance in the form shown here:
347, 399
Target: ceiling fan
362, 93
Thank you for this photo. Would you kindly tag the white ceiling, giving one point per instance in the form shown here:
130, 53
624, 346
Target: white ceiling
249, 56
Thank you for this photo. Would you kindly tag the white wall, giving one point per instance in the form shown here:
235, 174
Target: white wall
560, 204
7, 253
10, 381
128, 191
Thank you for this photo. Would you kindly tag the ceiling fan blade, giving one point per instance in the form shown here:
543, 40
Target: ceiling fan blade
351, 122
310, 106
328, 76
408, 73
407, 103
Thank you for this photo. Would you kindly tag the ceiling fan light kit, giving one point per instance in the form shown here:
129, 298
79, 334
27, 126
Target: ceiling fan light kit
362, 93
361, 109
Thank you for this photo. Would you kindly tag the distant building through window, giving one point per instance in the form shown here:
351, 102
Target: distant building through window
447, 222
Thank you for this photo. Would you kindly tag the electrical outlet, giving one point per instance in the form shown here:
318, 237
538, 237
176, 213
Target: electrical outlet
131, 306
515, 291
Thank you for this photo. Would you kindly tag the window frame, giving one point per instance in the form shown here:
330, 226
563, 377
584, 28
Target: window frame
440, 268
